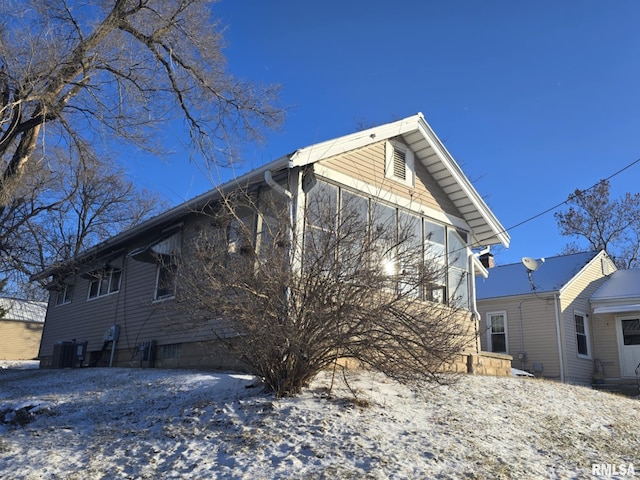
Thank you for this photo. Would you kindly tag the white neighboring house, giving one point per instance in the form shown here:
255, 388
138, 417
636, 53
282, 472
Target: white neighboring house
21, 328
544, 319
616, 326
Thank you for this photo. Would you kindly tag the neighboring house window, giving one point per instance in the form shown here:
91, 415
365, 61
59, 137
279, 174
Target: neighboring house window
582, 334
105, 282
64, 296
166, 279
399, 163
497, 332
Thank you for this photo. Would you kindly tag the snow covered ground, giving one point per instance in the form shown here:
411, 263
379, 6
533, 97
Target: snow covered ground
156, 424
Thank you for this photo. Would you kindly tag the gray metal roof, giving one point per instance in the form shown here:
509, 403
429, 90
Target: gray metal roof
551, 276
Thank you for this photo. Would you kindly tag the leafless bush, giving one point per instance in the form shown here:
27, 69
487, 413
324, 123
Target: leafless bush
356, 286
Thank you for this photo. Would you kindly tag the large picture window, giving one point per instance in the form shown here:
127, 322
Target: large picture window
404, 243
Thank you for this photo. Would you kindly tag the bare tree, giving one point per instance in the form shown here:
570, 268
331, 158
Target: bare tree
357, 286
606, 224
97, 72
62, 209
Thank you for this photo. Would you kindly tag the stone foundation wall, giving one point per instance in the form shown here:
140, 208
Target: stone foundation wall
488, 363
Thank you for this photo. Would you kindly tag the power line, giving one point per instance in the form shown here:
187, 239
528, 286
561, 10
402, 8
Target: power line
626, 167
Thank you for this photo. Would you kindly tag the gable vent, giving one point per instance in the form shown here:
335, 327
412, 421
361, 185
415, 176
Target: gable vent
399, 164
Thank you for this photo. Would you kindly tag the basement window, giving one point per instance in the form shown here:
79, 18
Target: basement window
399, 164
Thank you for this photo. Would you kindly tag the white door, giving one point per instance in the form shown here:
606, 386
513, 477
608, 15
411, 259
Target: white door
629, 344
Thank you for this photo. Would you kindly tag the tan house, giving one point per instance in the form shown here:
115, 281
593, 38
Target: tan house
543, 318
21, 328
112, 297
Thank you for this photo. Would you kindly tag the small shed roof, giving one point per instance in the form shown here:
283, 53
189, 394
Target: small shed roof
23, 310
620, 293
551, 276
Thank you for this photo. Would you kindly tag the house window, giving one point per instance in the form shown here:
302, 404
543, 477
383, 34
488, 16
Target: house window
458, 278
166, 279
105, 282
405, 245
64, 295
497, 332
170, 352
435, 258
399, 163
582, 334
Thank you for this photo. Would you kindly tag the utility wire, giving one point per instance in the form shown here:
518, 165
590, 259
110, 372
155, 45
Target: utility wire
569, 198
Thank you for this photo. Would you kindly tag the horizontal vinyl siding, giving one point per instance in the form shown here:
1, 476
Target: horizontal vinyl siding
367, 165
141, 319
605, 343
575, 298
19, 340
538, 331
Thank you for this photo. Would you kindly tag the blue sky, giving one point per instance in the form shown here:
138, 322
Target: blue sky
532, 99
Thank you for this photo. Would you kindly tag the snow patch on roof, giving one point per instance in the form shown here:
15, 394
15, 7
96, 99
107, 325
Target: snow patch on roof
622, 284
551, 276
23, 310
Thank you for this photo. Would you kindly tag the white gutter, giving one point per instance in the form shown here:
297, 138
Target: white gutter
268, 177
556, 299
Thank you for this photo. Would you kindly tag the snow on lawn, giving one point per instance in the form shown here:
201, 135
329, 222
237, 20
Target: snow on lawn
137, 424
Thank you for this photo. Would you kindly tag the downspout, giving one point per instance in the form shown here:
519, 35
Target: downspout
475, 314
556, 299
289, 196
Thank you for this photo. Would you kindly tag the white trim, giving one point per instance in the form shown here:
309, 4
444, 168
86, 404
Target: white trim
587, 333
463, 182
617, 309
336, 146
373, 191
601, 255
390, 147
110, 292
620, 338
490, 330
156, 298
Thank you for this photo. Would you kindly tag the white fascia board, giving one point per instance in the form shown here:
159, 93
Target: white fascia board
336, 146
478, 267
622, 308
377, 192
461, 179
597, 257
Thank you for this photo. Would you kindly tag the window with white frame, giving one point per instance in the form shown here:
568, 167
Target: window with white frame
166, 279
442, 250
458, 255
497, 332
435, 257
399, 165
105, 282
582, 334
64, 296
